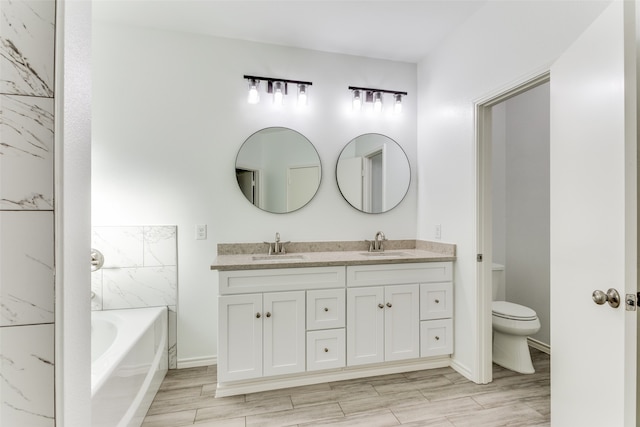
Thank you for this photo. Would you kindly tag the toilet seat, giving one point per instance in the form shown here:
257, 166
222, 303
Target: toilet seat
509, 310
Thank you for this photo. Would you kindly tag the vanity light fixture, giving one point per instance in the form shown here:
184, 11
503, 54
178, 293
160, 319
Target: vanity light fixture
278, 88
375, 97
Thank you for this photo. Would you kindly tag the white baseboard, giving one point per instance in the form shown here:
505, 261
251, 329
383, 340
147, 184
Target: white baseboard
462, 370
195, 362
539, 345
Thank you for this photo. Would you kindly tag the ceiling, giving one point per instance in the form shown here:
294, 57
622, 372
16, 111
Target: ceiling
396, 30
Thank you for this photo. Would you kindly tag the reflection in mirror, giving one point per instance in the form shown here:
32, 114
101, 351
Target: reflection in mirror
278, 170
373, 173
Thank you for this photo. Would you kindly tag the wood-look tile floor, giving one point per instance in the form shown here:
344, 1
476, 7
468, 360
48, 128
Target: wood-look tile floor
435, 398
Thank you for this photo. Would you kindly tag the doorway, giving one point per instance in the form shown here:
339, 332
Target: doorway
513, 208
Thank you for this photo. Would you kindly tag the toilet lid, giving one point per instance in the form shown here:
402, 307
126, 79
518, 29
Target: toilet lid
509, 310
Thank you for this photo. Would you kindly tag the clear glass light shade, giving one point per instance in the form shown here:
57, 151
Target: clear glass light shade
278, 93
397, 106
302, 95
356, 102
254, 96
377, 102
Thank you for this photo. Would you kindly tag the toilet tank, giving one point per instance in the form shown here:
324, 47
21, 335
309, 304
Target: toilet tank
498, 282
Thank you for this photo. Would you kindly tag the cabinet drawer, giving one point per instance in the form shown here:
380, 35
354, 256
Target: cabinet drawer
325, 349
398, 274
280, 279
436, 337
436, 301
325, 309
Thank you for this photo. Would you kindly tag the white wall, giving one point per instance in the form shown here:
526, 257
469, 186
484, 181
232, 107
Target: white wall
170, 112
499, 46
521, 200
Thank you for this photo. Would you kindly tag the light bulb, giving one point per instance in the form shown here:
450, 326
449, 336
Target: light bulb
397, 107
302, 95
254, 96
377, 102
357, 100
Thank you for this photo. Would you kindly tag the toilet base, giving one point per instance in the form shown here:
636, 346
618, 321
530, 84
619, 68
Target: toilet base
512, 352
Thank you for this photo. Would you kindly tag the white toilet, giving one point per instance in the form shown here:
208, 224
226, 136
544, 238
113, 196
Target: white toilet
512, 324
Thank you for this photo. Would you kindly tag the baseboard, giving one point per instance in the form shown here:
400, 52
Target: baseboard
195, 362
462, 370
539, 345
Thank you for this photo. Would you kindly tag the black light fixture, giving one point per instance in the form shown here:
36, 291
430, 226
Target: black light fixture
374, 96
278, 87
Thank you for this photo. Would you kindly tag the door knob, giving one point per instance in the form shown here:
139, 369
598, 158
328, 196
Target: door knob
612, 297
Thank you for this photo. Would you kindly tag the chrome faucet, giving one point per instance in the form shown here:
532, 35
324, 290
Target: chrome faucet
377, 244
277, 247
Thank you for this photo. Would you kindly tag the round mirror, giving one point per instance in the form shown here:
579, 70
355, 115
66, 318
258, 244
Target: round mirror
373, 173
278, 170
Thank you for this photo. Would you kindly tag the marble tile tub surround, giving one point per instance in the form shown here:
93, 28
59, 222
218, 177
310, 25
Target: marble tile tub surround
337, 246
27, 289
140, 270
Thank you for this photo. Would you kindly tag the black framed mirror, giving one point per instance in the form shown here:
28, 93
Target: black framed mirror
278, 170
373, 173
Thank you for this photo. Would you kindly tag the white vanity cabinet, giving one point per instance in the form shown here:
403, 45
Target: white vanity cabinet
385, 309
261, 335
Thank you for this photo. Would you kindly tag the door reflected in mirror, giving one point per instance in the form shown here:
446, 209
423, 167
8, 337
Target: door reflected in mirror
278, 170
373, 173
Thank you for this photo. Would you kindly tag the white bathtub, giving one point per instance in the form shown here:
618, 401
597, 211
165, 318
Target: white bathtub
129, 359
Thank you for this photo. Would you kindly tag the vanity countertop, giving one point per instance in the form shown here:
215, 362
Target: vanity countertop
250, 257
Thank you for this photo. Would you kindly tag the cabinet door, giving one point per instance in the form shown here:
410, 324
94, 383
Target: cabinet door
240, 337
284, 333
365, 325
402, 322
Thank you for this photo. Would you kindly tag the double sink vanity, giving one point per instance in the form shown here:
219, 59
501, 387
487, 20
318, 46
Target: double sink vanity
306, 313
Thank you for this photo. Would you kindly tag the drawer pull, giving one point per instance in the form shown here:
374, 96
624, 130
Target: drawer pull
437, 301
437, 338
326, 309
258, 315
380, 306
389, 304
326, 350
268, 314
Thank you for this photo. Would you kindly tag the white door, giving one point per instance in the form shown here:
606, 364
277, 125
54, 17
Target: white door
240, 339
365, 325
284, 333
302, 184
402, 322
593, 224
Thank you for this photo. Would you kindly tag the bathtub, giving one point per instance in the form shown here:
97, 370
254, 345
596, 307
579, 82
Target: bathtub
129, 359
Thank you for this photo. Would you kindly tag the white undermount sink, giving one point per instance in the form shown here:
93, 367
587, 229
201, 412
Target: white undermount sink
386, 254
277, 258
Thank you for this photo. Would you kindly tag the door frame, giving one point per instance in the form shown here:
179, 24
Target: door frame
484, 227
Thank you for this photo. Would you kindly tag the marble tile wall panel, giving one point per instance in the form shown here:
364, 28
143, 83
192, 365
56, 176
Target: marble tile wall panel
27, 368
160, 246
27, 42
139, 287
173, 337
26, 153
122, 247
26, 275
96, 288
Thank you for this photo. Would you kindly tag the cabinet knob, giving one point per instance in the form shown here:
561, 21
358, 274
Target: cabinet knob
258, 315
326, 309
268, 314
326, 350
437, 301
437, 338
380, 306
389, 304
